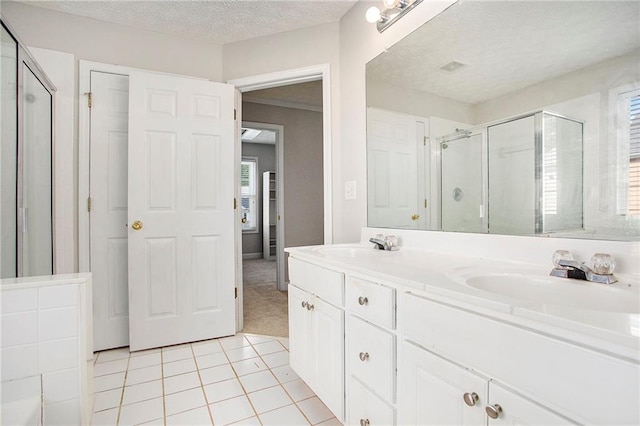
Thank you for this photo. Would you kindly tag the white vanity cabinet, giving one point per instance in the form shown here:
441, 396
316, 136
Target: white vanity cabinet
316, 331
370, 354
535, 378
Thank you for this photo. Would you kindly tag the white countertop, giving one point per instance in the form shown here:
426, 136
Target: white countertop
441, 276
43, 280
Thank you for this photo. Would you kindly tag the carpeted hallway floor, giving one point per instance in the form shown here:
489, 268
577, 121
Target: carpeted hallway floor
265, 307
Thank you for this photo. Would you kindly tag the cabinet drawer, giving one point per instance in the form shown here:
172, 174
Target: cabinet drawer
557, 374
315, 279
366, 408
371, 357
371, 301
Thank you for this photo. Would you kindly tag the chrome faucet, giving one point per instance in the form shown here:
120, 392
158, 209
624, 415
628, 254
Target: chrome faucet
569, 268
385, 242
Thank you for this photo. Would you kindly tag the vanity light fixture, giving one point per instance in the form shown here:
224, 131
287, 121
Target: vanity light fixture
394, 10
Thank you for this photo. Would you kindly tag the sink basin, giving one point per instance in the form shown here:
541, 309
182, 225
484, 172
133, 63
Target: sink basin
558, 291
346, 251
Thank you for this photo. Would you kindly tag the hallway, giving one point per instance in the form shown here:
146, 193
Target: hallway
265, 307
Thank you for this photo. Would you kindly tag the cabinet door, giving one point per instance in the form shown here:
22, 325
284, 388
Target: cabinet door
519, 410
431, 390
327, 335
300, 348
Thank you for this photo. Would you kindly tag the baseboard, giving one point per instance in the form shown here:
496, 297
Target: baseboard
247, 256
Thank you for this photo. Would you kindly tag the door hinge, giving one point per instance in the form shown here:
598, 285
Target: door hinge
425, 139
425, 203
235, 203
235, 114
236, 289
89, 99
89, 204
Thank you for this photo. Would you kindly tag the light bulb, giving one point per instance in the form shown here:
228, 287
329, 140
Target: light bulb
390, 4
373, 15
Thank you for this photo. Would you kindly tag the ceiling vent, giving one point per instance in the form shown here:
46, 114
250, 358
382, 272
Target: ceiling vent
452, 66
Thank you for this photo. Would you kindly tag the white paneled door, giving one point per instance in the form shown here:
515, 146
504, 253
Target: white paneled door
181, 212
108, 222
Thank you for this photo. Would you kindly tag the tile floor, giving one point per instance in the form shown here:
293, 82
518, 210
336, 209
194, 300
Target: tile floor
244, 379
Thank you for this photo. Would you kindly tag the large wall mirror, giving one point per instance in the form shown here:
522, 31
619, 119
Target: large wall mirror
26, 188
510, 117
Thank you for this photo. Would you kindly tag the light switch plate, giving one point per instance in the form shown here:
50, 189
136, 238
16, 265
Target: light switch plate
350, 190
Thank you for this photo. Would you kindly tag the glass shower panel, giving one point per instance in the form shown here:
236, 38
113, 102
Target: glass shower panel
511, 177
462, 184
8, 154
561, 198
36, 189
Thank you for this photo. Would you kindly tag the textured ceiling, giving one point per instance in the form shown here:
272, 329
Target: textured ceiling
508, 45
216, 21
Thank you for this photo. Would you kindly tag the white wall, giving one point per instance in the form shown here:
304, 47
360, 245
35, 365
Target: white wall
98, 41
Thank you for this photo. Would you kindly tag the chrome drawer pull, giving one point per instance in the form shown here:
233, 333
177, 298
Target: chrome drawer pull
304, 304
364, 422
363, 300
493, 411
309, 307
470, 398
364, 356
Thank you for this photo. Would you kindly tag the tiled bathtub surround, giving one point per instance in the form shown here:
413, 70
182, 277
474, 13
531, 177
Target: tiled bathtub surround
244, 379
45, 341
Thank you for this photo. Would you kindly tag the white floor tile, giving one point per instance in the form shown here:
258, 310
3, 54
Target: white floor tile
108, 382
211, 360
110, 367
198, 417
217, 374
141, 412
206, 347
276, 359
298, 390
256, 338
249, 366
142, 392
287, 415
181, 382
112, 355
233, 342
269, 399
231, 410
284, 341
257, 381
176, 353
223, 390
315, 410
107, 399
145, 374
284, 374
178, 367
147, 360
268, 347
105, 418
146, 352
241, 353
184, 401
251, 421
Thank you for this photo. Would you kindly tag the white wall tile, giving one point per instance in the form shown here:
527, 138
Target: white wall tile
58, 296
58, 355
19, 361
61, 385
15, 390
54, 324
62, 413
19, 328
19, 300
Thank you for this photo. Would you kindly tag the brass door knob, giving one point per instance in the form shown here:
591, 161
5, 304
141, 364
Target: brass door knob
137, 225
415, 216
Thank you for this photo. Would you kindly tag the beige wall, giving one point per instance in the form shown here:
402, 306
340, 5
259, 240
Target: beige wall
98, 41
303, 185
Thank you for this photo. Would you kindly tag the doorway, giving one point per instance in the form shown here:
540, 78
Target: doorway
297, 187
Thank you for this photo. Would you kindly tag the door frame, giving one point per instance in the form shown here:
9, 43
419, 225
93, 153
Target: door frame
284, 78
279, 129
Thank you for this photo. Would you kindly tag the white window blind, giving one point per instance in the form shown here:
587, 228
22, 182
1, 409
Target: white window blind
249, 192
634, 155
629, 153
